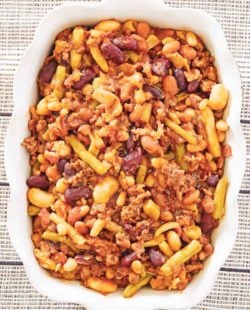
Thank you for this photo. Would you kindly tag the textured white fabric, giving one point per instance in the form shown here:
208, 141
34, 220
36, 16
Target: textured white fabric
18, 22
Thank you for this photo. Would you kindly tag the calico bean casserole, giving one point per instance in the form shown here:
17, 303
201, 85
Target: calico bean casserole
127, 153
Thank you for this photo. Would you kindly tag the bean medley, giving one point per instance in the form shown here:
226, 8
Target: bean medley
127, 149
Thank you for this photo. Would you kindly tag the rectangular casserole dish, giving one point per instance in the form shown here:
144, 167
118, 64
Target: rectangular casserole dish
158, 14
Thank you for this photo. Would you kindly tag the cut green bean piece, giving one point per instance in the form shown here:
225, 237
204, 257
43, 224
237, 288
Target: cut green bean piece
132, 289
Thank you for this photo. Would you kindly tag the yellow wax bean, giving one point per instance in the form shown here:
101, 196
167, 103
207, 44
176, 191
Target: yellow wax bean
99, 58
179, 154
141, 174
54, 237
151, 209
152, 41
103, 285
165, 248
181, 132
219, 198
165, 227
114, 227
97, 227
104, 190
156, 241
44, 261
213, 142
181, 257
86, 156
132, 289
73, 234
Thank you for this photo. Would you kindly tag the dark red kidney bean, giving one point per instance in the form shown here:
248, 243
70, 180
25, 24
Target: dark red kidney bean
180, 78
112, 202
156, 92
212, 180
208, 223
61, 164
80, 260
83, 259
128, 259
128, 227
68, 171
132, 161
156, 258
160, 66
193, 86
38, 181
47, 72
122, 152
75, 193
87, 76
130, 144
112, 52
126, 43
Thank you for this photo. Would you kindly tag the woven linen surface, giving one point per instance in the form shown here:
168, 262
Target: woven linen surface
18, 22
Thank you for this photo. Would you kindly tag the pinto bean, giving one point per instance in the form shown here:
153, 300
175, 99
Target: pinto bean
162, 33
169, 85
188, 52
44, 216
207, 204
226, 150
171, 47
191, 197
85, 114
151, 146
53, 174
143, 29
81, 228
74, 215
60, 258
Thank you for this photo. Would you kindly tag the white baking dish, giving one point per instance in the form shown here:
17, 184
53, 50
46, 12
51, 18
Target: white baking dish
16, 158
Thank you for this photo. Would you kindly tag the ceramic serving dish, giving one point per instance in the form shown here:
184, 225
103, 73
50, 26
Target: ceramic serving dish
17, 162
